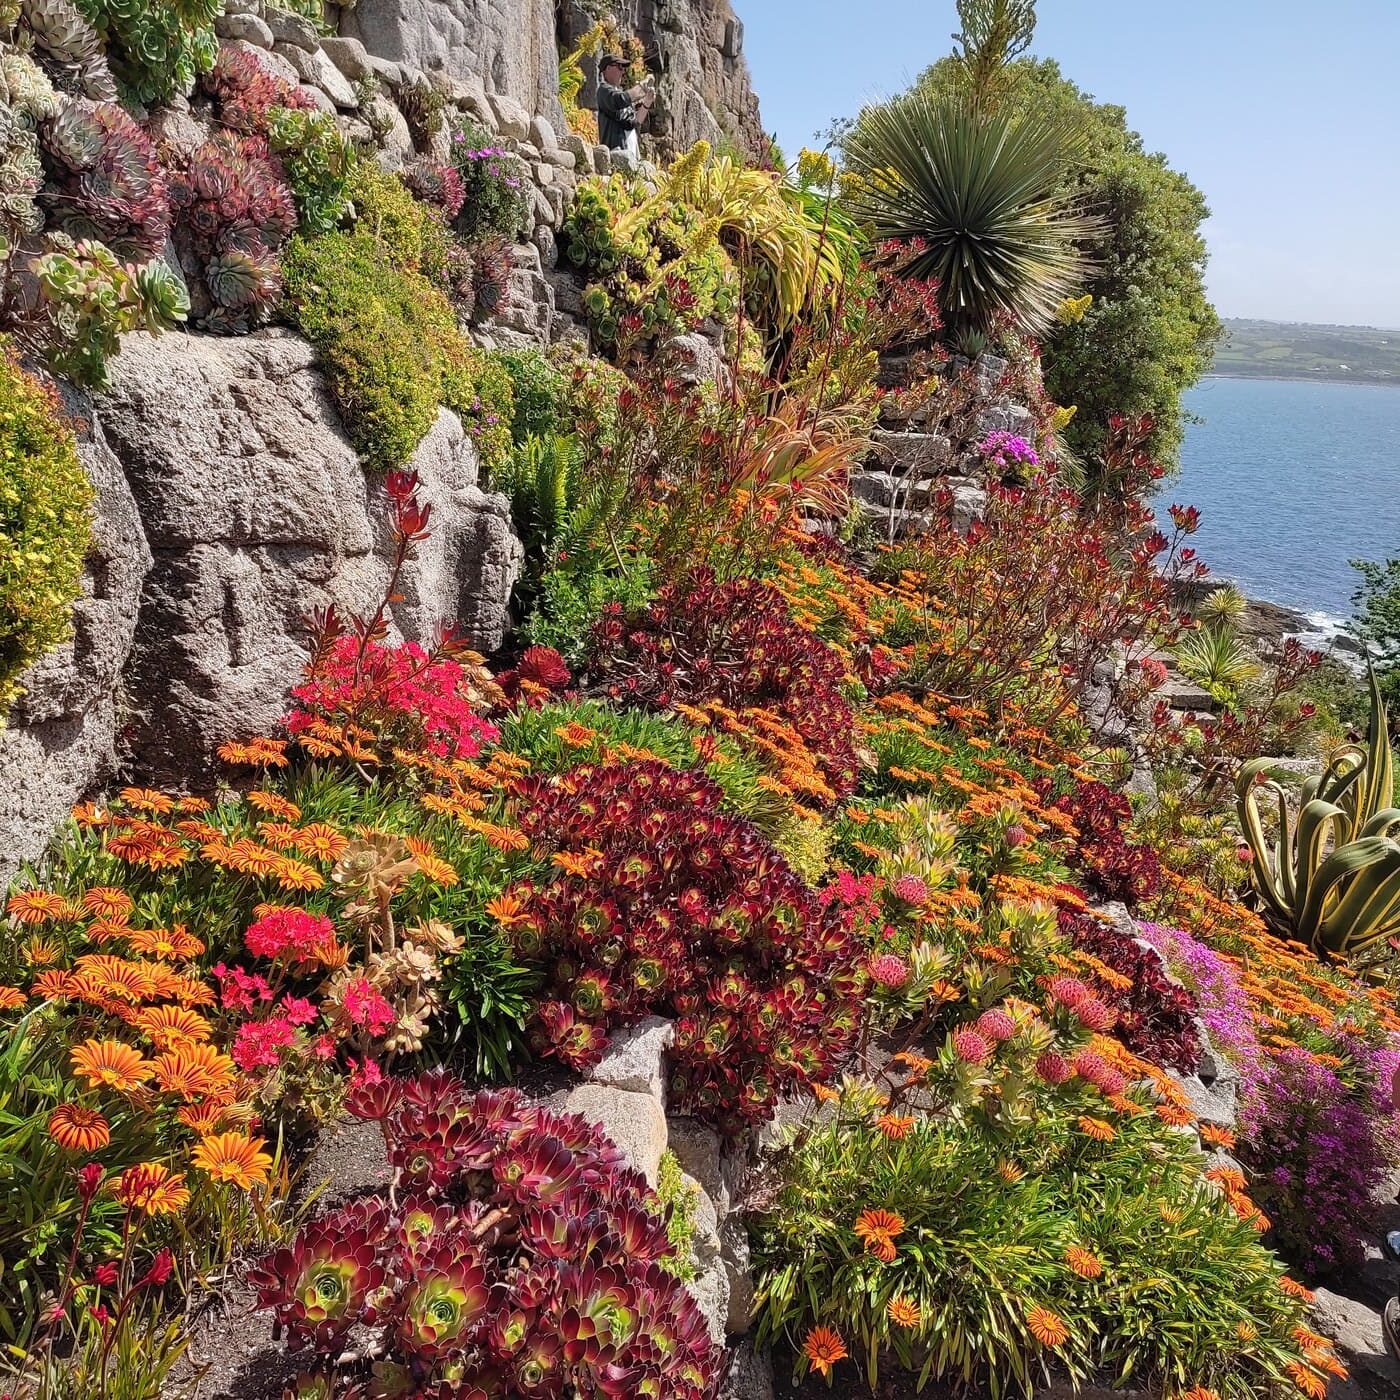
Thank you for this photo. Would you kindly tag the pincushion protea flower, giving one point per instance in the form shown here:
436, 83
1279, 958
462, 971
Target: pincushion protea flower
888, 970
823, 1347
79, 1129
996, 1024
970, 1047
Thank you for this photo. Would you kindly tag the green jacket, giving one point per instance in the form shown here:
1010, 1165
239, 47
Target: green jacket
616, 116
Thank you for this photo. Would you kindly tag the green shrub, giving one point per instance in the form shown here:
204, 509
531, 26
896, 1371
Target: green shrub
391, 349
382, 206
540, 387
156, 47
45, 501
495, 185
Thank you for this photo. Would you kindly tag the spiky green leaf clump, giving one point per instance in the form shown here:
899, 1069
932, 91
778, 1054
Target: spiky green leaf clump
68, 46
1331, 878
157, 48
979, 193
1215, 657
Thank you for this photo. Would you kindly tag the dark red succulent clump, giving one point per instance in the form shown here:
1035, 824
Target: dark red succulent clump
517, 1255
1156, 1017
666, 905
1120, 868
735, 643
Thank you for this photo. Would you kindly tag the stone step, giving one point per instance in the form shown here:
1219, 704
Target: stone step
924, 454
887, 489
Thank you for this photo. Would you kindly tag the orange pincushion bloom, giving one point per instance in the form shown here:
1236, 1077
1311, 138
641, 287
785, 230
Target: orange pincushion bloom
1048, 1328
274, 804
78, 1129
40, 907
1083, 1263
194, 1071
169, 1026
895, 1126
108, 902
904, 1312
823, 1347
152, 1189
878, 1229
111, 1064
1097, 1129
11, 998
234, 1158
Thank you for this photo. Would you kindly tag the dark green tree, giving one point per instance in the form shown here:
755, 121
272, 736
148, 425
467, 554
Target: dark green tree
1151, 330
1376, 621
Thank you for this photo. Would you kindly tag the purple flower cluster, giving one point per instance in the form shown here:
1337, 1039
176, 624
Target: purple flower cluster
1223, 1005
1006, 451
1318, 1151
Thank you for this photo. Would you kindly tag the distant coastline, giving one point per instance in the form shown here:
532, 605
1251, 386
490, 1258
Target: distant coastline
1303, 378
1288, 350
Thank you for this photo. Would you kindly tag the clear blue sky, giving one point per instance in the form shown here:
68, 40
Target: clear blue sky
1286, 114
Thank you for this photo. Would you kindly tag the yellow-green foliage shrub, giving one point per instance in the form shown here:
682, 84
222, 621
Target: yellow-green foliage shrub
389, 343
45, 525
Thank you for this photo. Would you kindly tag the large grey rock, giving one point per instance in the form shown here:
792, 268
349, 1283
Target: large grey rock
969, 503
909, 453
249, 27
274, 63
258, 511
698, 1150
315, 68
511, 47
634, 1059
60, 738
289, 28
750, 1374
1356, 1329
692, 359
734, 1251
634, 1122
350, 56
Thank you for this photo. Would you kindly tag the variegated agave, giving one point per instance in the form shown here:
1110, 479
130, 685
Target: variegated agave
1332, 877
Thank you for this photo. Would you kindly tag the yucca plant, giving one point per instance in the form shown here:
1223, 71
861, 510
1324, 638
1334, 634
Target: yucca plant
1332, 877
978, 193
1214, 656
1226, 604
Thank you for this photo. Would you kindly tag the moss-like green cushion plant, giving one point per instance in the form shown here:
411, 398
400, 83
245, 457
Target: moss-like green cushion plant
45, 524
391, 349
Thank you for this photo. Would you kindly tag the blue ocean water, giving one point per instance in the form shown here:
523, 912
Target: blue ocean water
1293, 479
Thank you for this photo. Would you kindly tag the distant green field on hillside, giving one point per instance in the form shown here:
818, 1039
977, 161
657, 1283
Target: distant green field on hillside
1287, 350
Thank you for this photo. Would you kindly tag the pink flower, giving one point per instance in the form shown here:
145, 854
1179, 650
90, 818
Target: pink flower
970, 1047
299, 1011
1053, 1068
366, 1007
996, 1024
889, 970
105, 1275
323, 1047
240, 990
259, 1044
275, 933
909, 889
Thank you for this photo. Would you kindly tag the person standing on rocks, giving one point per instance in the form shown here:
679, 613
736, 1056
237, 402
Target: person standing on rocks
621, 113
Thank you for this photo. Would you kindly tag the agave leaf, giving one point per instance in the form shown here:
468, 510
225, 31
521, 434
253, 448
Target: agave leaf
1364, 877
1318, 823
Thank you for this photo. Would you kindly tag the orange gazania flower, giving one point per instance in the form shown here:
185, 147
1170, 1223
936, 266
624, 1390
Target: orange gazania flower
193, 1071
52, 985
320, 841
1174, 1115
1294, 1289
78, 1129
40, 907
274, 804
576, 736
1307, 1380
581, 864
878, 1229
169, 1026
203, 1118
152, 1189
507, 909
234, 1158
1097, 1129
1246, 1331
1009, 1171
895, 1125
107, 902
1214, 1136
904, 1312
1083, 1263
111, 1064
1048, 1328
11, 998
147, 800
430, 864
1200, 1392
256, 753
823, 1347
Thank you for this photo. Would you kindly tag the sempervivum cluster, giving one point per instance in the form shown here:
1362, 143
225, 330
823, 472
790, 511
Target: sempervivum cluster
735, 643
667, 905
436, 184
234, 211
106, 182
245, 92
517, 1256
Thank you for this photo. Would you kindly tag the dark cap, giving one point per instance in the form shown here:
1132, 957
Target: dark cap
608, 60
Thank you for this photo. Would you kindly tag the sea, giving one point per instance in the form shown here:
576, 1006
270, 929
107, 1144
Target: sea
1293, 479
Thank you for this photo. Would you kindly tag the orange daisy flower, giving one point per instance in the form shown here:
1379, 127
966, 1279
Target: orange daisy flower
234, 1158
40, 907
1246, 1332
1307, 1380
170, 1026
1200, 1392
203, 1118
1010, 1172
321, 841
576, 736
823, 1347
147, 800
904, 1312
1048, 1328
78, 1129
580, 864
430, 863
1097, 1129
1174, 1115
107, 902
255, 753
111, 1064
507, 909
52, 985
1083, 1263
193, 1071
274, 804
1215, 1136
895, 1126
152, 1189
11, 998
1294, 1289
878, 1229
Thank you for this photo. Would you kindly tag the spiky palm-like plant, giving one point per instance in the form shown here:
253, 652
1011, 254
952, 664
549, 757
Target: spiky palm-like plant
976, 193
1225, 604
1332, 878
1215, 657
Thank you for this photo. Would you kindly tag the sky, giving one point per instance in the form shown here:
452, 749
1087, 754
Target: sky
1286, 114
